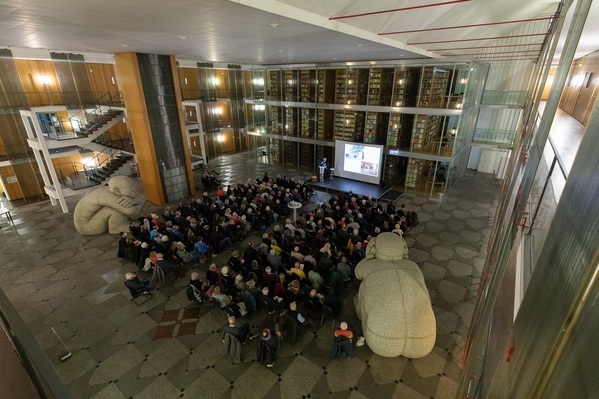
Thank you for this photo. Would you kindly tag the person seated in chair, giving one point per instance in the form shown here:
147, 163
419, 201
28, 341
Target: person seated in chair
194, 289
293, 312
136, 285
242, 333
272, 304
165, 265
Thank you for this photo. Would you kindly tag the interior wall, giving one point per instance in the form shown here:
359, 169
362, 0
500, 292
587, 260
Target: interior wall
40, 82
547, 88
102, 78
578, 100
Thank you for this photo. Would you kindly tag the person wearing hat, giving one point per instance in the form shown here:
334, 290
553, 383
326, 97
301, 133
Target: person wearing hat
213, 275
134, 283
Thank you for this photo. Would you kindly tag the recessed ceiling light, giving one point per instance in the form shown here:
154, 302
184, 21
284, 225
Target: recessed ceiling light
335, 58
182, 37
280, 51
359, 45
275, 25
125, 45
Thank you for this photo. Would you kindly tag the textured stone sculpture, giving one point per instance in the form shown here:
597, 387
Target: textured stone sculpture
108, 208
393, 302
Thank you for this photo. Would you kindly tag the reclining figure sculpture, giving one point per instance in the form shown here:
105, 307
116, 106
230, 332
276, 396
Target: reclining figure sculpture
393, 302
108, 208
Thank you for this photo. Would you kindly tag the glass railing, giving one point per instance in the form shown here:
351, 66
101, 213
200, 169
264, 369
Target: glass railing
75, 175
25, 99
548, 185
494, 136
496, 97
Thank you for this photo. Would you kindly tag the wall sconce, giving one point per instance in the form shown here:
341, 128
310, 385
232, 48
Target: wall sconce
453, 131
463, 81
220, 138
45, 79
400, 82
214, 81
459, 106
185, 79
112, 80
349, 82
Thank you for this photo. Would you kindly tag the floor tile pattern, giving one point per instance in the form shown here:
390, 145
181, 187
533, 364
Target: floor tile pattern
166, 348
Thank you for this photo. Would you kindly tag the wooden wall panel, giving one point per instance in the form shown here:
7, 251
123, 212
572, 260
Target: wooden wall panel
118, 131
13, 190
30, 179
100, 78
127, 70
191, 89
32, 74
68, 164
578, 101
13, 135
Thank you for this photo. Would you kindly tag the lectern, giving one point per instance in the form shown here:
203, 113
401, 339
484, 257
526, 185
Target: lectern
321, 169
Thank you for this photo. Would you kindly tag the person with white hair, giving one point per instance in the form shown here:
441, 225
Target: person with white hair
343, 331
136, 285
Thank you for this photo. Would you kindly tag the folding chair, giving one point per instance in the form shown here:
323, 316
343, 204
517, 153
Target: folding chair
135, 295
327, 313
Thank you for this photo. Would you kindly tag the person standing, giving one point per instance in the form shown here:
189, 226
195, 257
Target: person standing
323, 168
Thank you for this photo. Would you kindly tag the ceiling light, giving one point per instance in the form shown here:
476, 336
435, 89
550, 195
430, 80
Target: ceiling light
275, 25
359, 45
124, 45
182, 37
280, 51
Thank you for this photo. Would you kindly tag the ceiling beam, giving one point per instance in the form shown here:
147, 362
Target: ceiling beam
479, 38
365, 14
516, 21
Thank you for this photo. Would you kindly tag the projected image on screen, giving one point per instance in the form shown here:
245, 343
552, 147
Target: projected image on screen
362, 159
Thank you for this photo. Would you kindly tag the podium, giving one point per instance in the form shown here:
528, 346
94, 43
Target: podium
321, 170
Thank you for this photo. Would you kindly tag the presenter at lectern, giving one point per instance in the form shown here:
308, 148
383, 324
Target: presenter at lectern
323, 168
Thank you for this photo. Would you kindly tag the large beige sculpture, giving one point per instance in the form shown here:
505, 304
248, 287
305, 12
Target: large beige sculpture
393, 302
108, 208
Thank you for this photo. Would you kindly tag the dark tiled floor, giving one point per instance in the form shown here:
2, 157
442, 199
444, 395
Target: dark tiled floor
57, 278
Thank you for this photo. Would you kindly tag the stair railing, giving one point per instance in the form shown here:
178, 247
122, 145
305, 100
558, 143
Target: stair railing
91, 115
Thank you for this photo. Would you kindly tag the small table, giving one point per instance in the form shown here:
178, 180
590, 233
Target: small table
6, 212
295, 206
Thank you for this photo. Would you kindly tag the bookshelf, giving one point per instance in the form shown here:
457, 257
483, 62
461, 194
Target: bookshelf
290, 149
324, 124
417, 172
380, 87
290, 84
433, 87
290, 121
307, 122
306, 158
376, 126
351, 86
273, 85
308, 86
425, 129
405, 86
274, 119
325, 88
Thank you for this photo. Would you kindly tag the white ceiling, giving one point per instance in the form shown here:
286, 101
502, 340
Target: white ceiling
308, 31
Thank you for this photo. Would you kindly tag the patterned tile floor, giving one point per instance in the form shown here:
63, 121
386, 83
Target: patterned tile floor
164, 348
